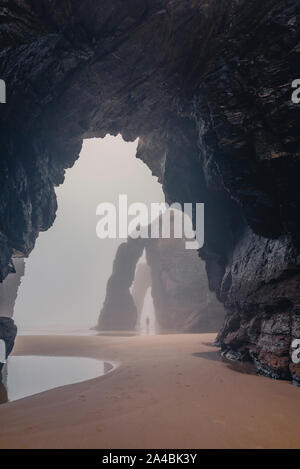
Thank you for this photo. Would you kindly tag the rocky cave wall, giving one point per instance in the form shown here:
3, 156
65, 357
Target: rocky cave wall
206, 86
8, 295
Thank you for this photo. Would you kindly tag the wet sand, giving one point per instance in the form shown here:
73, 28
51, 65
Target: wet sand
170, 391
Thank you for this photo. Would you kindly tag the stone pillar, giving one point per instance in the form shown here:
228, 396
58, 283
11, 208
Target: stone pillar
8, 295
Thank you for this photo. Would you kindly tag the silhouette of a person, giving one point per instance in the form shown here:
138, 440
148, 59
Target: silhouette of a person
148, 325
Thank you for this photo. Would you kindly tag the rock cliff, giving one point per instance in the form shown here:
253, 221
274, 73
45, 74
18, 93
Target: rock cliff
119, 311
181, 297
8, 295
206, 86
9, 289
180, 292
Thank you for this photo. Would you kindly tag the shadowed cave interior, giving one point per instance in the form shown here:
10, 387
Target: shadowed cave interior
205, 88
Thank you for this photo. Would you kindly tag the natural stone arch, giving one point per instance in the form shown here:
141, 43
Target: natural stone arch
179, 288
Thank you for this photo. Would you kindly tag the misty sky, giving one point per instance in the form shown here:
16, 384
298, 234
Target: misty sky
66, 274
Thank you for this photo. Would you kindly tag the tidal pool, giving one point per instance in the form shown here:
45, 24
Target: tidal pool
28, 375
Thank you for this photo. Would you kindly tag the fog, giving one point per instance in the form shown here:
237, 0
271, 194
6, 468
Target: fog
66, 274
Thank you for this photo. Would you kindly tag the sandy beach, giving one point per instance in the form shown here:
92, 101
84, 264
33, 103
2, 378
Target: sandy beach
169, 391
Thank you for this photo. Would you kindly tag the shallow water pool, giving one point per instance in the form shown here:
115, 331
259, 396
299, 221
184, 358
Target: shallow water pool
28, 375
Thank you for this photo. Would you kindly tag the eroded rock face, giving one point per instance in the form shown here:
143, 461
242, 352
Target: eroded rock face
206, 87
8, 295
261, 290
182, 300
119, 311
8, 332
179, 287
9, 289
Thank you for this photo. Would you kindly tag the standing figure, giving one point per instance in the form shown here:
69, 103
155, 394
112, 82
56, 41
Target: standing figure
148, 325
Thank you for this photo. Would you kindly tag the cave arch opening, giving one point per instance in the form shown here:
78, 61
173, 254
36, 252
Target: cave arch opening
147, 323
141, 291
66, 274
